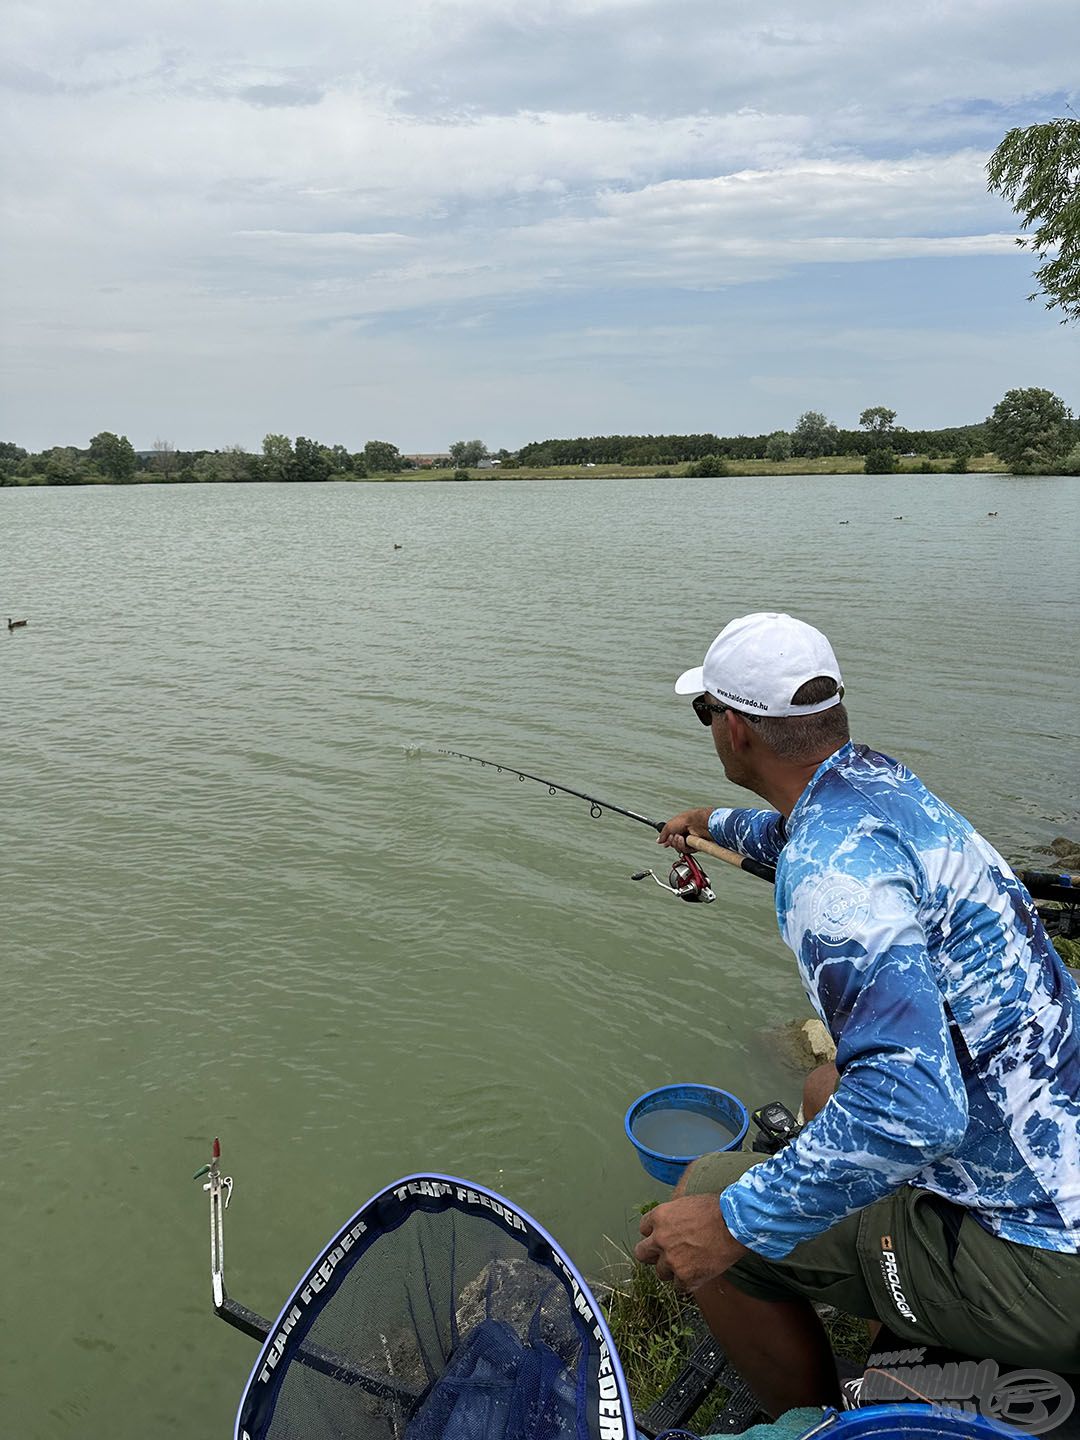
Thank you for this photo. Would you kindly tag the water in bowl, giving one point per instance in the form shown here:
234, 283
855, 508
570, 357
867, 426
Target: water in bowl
682, 1132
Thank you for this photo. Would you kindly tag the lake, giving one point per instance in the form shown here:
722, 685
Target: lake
244, 895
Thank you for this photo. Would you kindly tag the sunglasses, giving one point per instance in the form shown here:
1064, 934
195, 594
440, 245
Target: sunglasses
705, 709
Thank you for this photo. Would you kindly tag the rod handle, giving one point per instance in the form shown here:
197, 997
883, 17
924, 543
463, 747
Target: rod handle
701, 846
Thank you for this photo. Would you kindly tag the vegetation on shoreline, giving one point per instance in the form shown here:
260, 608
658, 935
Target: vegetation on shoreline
825, 465
654, 1330
1030, 432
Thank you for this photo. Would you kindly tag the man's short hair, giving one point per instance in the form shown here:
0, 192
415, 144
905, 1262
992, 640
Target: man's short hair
807, 737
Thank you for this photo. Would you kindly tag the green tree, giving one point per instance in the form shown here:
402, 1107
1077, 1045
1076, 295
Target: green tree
310, 461
114, 456
962, 451
380, 455
708, 467
339, 460
778, 446
64, 465
10, 458
278, 460
1031, 431
814, 435
467, 454
878, 420
881, 461
1038, 171
231, 464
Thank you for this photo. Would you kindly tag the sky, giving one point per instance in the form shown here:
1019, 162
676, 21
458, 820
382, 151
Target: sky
429, 220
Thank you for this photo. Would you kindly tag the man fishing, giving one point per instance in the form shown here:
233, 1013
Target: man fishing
936, 1185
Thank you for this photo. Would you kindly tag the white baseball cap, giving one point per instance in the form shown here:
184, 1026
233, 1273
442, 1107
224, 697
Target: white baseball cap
757, 663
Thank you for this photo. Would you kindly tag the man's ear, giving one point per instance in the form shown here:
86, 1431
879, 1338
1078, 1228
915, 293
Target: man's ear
738, 729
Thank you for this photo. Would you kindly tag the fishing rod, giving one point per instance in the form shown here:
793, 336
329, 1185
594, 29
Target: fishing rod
687, 879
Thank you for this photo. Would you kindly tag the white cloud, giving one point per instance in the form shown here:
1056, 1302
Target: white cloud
205, 181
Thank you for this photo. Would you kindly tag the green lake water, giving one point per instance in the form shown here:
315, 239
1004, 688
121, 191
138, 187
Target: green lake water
243, 895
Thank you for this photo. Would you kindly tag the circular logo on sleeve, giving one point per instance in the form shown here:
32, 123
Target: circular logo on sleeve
841, 907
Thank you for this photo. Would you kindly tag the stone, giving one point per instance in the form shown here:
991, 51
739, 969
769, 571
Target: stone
819, 1042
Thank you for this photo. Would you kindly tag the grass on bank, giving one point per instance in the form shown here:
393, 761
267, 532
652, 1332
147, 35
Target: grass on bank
824, 465
654, 1332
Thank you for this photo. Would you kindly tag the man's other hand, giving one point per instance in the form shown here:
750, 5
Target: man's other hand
688, 1241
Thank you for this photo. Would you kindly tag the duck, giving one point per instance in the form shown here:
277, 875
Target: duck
991, 514
15, 624
845, 522
897, 517
396, 546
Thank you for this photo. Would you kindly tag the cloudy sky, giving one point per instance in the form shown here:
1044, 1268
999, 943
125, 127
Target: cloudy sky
422, 220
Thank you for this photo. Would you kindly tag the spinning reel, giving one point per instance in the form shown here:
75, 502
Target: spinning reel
686, 879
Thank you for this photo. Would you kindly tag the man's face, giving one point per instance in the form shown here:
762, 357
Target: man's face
735, 768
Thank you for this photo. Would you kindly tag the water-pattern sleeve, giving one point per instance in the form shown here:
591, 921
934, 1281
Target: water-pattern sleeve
757, 833
901, 1102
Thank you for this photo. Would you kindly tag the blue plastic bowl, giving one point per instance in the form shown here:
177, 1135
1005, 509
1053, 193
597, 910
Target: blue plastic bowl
897, 1422
702, 1100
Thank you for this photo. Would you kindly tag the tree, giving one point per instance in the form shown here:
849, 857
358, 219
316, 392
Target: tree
778, 446
164, 461
65, 466
963, 449
381, 455
1031, 431
114, 456
277, 457
10, 457
468, 453
708, 467
1037, 170
310, 460
877, 420
231, 464
881, 461
814, 435
339, 460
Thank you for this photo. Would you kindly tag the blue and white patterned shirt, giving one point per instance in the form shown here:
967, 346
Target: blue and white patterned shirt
957, 1024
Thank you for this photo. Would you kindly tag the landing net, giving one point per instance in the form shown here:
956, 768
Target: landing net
440, 1311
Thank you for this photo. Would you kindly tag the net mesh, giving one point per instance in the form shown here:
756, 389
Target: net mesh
441, 1322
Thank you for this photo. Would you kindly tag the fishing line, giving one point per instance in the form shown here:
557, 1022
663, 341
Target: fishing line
687, 880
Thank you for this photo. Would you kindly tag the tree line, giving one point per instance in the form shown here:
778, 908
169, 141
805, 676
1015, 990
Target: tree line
1031, 431
112, 459
812, 436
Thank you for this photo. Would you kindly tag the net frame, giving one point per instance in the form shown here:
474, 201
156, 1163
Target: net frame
607, 1409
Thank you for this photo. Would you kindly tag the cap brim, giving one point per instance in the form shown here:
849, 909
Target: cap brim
691, 682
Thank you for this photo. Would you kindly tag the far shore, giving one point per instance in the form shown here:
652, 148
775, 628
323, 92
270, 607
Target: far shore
825, 465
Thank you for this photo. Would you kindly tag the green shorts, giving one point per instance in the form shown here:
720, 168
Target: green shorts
925, 1268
